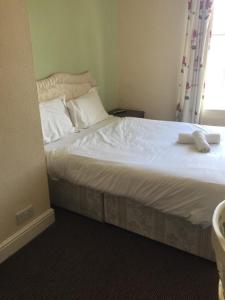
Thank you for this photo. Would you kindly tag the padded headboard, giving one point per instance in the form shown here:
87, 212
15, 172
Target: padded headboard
70, 85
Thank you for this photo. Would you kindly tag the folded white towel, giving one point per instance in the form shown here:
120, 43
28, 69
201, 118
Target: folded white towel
187, 138
200, 141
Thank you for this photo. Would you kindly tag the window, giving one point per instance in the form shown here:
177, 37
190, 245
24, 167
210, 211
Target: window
215, 69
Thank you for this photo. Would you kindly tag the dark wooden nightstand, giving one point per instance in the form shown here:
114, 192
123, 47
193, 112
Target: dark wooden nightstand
120, 112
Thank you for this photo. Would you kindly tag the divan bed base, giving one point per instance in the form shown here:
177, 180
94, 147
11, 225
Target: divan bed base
149, 222
79, 199
131, 215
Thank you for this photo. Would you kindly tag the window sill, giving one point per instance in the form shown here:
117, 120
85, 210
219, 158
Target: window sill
214, 110
214, 117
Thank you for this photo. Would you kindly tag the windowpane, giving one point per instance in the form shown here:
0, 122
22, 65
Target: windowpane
218, 19
215, 75
215, 69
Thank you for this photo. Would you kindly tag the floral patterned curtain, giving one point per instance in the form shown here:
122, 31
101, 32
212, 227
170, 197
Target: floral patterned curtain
191, 83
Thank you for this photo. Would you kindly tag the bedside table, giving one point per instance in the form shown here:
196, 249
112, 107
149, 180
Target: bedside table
120, 112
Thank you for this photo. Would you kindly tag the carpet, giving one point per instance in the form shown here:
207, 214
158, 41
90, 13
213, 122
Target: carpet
78, 258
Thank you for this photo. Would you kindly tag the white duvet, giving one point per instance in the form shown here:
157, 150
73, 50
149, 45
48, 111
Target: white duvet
140, 159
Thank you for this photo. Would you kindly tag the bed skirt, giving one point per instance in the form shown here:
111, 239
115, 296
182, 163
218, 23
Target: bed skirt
133, 216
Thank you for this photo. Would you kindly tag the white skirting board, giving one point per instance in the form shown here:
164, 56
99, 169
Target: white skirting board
26, 234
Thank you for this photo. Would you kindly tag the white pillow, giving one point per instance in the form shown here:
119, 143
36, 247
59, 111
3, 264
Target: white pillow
87, 110
55, 120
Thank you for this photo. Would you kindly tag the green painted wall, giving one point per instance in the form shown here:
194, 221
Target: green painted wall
75, 36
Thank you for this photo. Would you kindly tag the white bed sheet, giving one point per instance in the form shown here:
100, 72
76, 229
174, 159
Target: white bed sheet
140, 159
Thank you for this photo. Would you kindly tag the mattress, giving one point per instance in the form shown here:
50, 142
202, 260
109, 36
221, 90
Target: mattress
140, 159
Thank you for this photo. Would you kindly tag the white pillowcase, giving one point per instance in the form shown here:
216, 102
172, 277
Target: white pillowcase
55, 120
87, 110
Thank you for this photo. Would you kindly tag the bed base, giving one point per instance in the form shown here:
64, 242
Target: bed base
81, 200
131, 215
149, 222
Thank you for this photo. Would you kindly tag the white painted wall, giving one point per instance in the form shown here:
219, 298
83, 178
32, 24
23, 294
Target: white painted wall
23, 179
151, 37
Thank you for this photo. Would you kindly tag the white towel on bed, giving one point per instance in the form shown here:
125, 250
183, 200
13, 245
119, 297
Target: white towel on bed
200, 141
187, 138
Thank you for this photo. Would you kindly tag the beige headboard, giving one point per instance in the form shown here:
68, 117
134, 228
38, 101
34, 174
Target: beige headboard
70, 85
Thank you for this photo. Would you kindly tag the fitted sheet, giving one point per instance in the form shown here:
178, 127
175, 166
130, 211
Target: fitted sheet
140, 159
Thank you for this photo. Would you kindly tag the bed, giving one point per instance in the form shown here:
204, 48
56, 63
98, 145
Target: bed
131, 173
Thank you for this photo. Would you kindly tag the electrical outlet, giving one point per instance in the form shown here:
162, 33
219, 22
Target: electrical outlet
24, 214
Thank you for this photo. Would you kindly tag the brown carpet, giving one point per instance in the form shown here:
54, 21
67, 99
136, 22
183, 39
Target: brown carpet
78, 258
